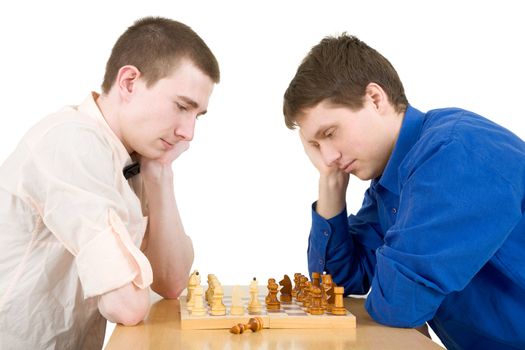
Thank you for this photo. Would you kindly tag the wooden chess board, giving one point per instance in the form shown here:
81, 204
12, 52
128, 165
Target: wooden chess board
290, 316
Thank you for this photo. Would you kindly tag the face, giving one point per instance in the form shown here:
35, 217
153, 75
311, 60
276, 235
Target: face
159, 116
357, 142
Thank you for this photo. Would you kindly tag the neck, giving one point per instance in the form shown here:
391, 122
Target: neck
109, 110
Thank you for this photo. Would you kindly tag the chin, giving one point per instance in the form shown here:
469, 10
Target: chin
364, 176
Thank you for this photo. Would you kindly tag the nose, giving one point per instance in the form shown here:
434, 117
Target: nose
330, 155
185, 130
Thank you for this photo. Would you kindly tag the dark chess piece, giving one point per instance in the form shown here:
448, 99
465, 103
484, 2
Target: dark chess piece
254, 323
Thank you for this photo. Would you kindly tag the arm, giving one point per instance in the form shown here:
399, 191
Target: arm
345, 246
83, 209
168, 248
446, 230
127, 305
334, 246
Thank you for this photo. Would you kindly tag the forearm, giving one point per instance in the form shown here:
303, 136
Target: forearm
332, 194
169, 249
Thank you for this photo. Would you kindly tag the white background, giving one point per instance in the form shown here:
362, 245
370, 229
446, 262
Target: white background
245, 187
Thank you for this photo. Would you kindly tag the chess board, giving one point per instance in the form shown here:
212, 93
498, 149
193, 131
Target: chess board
291, 315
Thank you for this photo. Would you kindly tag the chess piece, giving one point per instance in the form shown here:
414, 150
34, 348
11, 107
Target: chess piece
192, 283
255, 306
213, 282
302, 285
286, 290
316, 276
272, 303
339, 307
198, 308
254, 323
297, 282
315, 301
217, 307
307, 296
237, 307
328, 292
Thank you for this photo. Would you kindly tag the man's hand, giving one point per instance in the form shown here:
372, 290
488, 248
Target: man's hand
333, 183
154, 169
166, 245
174, 153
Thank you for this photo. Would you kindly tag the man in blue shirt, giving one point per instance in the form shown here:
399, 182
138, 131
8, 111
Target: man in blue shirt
440, 237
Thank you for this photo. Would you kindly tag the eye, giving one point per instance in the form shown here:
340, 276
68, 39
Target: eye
329, 133
181, 107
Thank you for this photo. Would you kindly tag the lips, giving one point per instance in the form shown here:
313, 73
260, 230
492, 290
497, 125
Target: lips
348, 167
167, 145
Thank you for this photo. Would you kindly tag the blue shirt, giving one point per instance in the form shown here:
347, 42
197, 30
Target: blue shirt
441, 234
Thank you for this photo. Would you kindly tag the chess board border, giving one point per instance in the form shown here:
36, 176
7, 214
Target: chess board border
283, 319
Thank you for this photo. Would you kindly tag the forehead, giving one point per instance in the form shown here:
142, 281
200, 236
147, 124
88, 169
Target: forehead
318, 118
187, 80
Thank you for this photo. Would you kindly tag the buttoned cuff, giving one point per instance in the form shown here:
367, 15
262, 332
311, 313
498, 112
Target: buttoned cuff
111, 260
325, 233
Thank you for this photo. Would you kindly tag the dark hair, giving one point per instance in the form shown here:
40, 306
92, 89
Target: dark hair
155, 45
338, 70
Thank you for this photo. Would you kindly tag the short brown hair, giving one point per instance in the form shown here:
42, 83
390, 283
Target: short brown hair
155, 45
338, 70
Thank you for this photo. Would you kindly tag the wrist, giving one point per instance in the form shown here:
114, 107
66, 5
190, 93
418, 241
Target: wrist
335, 182
156, 173
332, 194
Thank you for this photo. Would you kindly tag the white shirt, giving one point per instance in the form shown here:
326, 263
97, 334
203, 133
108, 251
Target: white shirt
70, 230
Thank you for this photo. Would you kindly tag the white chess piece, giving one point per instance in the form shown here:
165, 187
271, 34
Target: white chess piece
217, 307
198, 308
255, 305
237, 307
192, 283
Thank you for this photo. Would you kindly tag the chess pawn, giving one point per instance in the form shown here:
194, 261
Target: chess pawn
217, 307
339, 306
297, 282
254, 323
237, 307
198, 308
315, 303
255, 305
302, 285
272, 303
307, 296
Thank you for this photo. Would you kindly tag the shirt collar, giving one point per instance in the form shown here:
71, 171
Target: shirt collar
408, 136
90, 108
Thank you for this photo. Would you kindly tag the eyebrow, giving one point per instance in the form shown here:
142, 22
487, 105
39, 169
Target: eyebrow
192, 103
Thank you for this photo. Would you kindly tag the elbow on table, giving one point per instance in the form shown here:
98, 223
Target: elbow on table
124, 307
132, 317
169, 292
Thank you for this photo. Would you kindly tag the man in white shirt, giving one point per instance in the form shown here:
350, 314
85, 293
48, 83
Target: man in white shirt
88, 217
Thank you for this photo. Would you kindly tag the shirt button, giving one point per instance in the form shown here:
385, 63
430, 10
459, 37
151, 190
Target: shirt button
394, 210
321, 261
325, 232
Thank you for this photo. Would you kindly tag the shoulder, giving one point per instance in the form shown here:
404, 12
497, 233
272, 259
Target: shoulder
456, 135
67, 129
470, 129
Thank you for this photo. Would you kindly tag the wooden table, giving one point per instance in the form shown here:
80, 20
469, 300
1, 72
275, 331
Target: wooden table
161, 330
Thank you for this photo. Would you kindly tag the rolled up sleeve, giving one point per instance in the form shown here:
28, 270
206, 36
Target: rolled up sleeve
72, 180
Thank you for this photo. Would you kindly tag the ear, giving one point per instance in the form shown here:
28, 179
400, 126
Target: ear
375, 94
127, 78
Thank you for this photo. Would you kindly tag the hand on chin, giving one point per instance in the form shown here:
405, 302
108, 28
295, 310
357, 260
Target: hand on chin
170, 155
